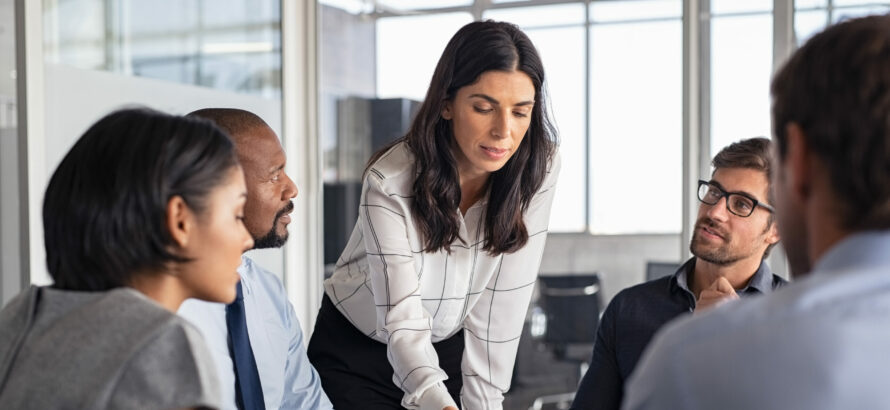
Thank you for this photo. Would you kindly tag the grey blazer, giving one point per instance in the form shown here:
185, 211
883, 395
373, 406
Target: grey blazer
100, 350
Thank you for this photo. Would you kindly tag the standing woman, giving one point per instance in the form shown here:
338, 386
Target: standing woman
143, 212
427, 302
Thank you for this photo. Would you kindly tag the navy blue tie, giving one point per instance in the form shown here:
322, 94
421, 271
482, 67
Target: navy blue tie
248, 390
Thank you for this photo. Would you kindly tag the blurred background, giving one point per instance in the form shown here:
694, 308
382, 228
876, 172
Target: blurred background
643, 92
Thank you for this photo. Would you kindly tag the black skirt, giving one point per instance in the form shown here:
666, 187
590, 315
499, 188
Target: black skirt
354, 370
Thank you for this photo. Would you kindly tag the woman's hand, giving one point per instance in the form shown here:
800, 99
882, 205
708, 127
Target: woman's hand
450, 408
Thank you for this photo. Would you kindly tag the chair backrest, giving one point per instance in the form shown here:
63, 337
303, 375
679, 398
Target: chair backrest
572, 307
655, 270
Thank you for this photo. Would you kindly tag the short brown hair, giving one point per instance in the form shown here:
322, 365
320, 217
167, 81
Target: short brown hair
752, 153
837, 89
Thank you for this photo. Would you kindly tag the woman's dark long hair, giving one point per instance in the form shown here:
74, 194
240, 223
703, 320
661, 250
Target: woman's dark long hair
475, 49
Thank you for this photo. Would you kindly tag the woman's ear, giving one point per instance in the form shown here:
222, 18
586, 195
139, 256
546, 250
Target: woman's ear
180, 220
446, 110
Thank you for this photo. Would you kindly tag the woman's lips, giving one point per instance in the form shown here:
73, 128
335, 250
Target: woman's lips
494, 153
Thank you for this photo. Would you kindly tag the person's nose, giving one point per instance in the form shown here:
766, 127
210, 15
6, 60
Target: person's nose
248, 240
502, 126
290, 190
718, 211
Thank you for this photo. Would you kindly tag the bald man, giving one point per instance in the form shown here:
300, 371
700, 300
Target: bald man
259, 334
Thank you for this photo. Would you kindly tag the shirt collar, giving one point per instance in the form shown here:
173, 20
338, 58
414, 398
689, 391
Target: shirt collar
681, 277
761, 282
859, 250
245, 270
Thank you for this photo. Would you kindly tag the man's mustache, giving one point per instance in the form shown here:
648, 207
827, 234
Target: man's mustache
284, 211
712, 225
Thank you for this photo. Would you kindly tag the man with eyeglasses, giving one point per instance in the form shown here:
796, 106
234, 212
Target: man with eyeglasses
821, 342
733, 235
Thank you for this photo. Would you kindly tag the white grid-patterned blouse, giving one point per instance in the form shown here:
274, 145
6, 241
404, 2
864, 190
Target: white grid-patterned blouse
395, 293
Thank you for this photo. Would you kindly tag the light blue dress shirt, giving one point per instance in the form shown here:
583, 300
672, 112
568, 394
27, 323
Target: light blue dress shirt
820, 343
289, 380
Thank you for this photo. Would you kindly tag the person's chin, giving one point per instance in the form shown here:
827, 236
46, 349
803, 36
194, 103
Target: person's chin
226, 295
491, 166
229, 298
701, 250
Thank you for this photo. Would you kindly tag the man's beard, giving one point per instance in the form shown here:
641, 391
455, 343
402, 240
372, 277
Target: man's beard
272, 239
721, 255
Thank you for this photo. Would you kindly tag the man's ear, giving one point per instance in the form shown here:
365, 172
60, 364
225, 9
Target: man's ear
180, 221
772, 235
798, 163
446, 111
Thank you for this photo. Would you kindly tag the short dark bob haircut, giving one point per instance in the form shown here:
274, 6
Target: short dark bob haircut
105, 208
477, 48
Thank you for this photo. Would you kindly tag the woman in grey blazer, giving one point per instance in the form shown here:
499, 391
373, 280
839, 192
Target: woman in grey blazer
143, 212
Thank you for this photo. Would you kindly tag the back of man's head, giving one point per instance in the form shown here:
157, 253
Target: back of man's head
233, 121
836, 88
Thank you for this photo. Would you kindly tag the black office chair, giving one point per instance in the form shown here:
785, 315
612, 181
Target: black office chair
655, 270
569, 312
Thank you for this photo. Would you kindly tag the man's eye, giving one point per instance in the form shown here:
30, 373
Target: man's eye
742, 204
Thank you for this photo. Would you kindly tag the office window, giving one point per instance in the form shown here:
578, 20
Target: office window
741, 69
635, 117
232, 45
633, 46
408, 49
724, 7
553, 30
615, 85
638, 10
811, 16
808, 22
409, 5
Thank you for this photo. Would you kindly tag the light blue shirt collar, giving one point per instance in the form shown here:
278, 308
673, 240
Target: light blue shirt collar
858, 250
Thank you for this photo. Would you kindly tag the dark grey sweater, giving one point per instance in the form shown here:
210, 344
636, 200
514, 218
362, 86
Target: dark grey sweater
100, 350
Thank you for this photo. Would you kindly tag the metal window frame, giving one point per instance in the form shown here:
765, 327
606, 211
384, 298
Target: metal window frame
696, 19
31, 139
303, 260
299, 102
